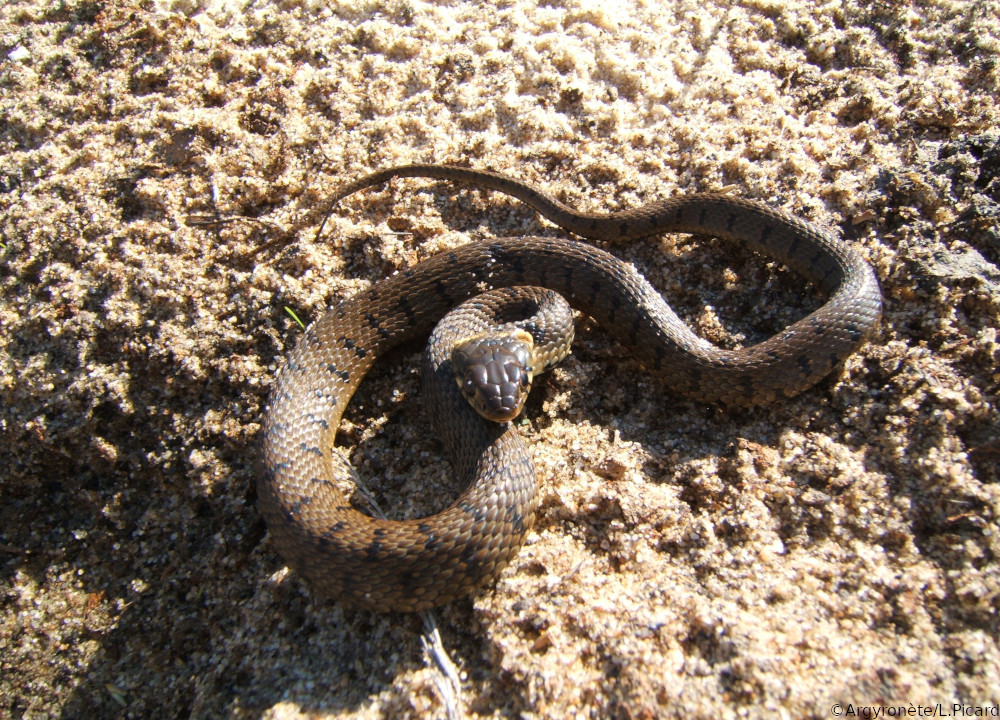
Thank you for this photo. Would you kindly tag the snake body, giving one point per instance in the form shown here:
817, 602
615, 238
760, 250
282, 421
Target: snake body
416, 564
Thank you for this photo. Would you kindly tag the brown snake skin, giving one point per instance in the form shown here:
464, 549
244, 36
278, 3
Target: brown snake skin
416, 564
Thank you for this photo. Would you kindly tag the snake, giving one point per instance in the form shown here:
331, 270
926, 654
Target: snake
413, 565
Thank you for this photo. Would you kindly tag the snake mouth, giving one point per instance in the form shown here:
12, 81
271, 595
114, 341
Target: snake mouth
494, 373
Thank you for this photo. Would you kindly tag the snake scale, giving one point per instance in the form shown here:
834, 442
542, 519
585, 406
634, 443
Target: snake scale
416, 564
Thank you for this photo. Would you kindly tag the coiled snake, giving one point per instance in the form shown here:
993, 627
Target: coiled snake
416, 564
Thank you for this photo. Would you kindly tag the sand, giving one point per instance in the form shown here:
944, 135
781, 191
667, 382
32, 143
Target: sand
830, 553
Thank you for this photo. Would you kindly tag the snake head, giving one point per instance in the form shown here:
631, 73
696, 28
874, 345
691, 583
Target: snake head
494, 373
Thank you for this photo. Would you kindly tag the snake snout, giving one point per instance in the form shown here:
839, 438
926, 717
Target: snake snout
494, 373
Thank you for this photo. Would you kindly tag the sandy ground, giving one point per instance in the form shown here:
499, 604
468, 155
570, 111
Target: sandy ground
840, 548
